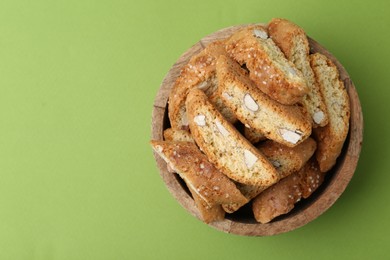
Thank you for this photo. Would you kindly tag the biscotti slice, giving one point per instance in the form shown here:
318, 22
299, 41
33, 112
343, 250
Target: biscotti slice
286, 161
207, 213
287, 125
198, 73
282, 197
198, 173
224, 146
293, 42
267, 65
330, 139
178, 135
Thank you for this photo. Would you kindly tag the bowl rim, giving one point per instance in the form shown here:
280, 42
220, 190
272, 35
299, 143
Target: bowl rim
341, 176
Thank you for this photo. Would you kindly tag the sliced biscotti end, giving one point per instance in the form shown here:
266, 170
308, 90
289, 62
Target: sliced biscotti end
333, 89
315, 106
286, 159
207, 213
286, 35
178, 135
198, 173
224, 146
331, 138
288, 125
171, 134
199, 72
292, 40
268, 67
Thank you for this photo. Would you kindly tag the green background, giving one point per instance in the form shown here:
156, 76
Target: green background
77, 176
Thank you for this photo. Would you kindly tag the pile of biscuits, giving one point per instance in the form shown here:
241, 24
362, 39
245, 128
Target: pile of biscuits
255, 118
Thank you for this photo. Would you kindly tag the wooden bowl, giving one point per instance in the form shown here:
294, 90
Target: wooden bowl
242, 222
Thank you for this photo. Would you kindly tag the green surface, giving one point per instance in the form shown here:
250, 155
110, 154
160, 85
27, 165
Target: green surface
77, 176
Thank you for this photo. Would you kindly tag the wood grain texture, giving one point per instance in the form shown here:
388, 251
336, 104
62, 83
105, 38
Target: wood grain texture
244, 224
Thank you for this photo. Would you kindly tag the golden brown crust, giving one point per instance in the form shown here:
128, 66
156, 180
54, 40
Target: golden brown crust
267, 65
224, 146
330, 139
293, 42
284, 124
198, 73
198, 173
280, 198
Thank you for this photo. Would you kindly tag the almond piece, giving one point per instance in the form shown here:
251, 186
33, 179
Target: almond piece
292, 71
260, 34
221, 128
184, 120
200, 120
159, 148
250, 103
250, 158
290, 136
226, 96
276, 163
203, 86
318, 117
